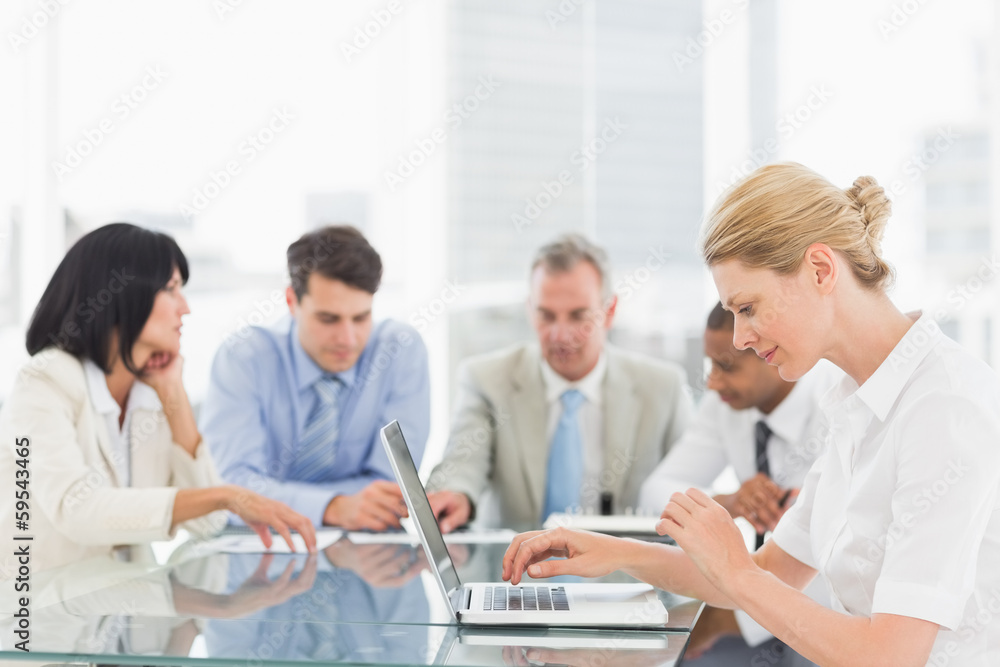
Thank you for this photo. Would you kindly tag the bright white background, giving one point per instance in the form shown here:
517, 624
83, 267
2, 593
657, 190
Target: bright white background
870, 82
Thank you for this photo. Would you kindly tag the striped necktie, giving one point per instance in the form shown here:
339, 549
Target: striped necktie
317, 446
762, 433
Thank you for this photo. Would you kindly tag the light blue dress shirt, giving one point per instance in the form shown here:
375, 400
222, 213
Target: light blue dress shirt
261, 394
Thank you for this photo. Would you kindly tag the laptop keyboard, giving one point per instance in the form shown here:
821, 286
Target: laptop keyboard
525, 598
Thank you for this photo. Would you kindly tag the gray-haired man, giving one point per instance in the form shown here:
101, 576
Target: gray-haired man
568, 422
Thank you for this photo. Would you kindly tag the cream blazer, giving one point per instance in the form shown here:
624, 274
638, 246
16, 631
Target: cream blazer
77, 506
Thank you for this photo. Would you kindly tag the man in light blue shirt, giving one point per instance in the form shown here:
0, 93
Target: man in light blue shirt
294, 411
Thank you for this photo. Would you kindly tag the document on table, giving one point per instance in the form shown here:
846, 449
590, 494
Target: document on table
459, 537
619, 524
251, 544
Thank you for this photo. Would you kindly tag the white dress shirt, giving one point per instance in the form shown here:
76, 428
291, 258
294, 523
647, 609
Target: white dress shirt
591, 418
901, 512
140, 397
720, 436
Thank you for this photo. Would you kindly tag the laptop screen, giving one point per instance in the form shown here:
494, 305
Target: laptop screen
420, 509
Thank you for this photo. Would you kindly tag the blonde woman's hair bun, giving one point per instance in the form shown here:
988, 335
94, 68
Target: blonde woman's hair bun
873, 206
770, 218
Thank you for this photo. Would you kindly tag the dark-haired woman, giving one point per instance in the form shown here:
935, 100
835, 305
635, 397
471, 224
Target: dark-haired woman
98, 426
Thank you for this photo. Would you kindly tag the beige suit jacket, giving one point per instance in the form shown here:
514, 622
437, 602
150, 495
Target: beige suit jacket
77, 506
498, 433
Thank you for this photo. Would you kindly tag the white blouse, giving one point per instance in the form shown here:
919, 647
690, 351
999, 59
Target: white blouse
141, 397
901, 513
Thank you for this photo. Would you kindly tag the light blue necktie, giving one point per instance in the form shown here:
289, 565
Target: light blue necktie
565, 470
317, 446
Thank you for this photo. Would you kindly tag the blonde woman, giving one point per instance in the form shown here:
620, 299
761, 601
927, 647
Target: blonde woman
900, 514
98, 433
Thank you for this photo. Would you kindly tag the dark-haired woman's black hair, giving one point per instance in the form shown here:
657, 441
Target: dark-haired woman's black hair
107, 282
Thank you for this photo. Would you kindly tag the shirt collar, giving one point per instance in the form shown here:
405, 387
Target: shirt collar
589, 385
880, 391
141, 396
100, 395
307, 371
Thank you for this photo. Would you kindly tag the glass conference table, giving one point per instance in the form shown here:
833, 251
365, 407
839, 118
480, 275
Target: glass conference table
364, 601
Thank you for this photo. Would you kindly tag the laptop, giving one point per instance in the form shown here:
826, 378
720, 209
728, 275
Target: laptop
540, 603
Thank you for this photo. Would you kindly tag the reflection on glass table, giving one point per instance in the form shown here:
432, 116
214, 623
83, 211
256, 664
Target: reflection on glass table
340, 616
359, 603
108, 607
716, 641
522, 647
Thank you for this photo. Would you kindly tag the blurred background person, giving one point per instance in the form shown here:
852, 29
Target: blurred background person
566, 423
294, 410
769, 430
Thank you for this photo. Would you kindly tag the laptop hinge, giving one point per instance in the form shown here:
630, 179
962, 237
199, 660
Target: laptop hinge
461, 598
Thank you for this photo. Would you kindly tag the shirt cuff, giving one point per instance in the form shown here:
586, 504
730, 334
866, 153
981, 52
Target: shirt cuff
918, 601
150, 526
312, 503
